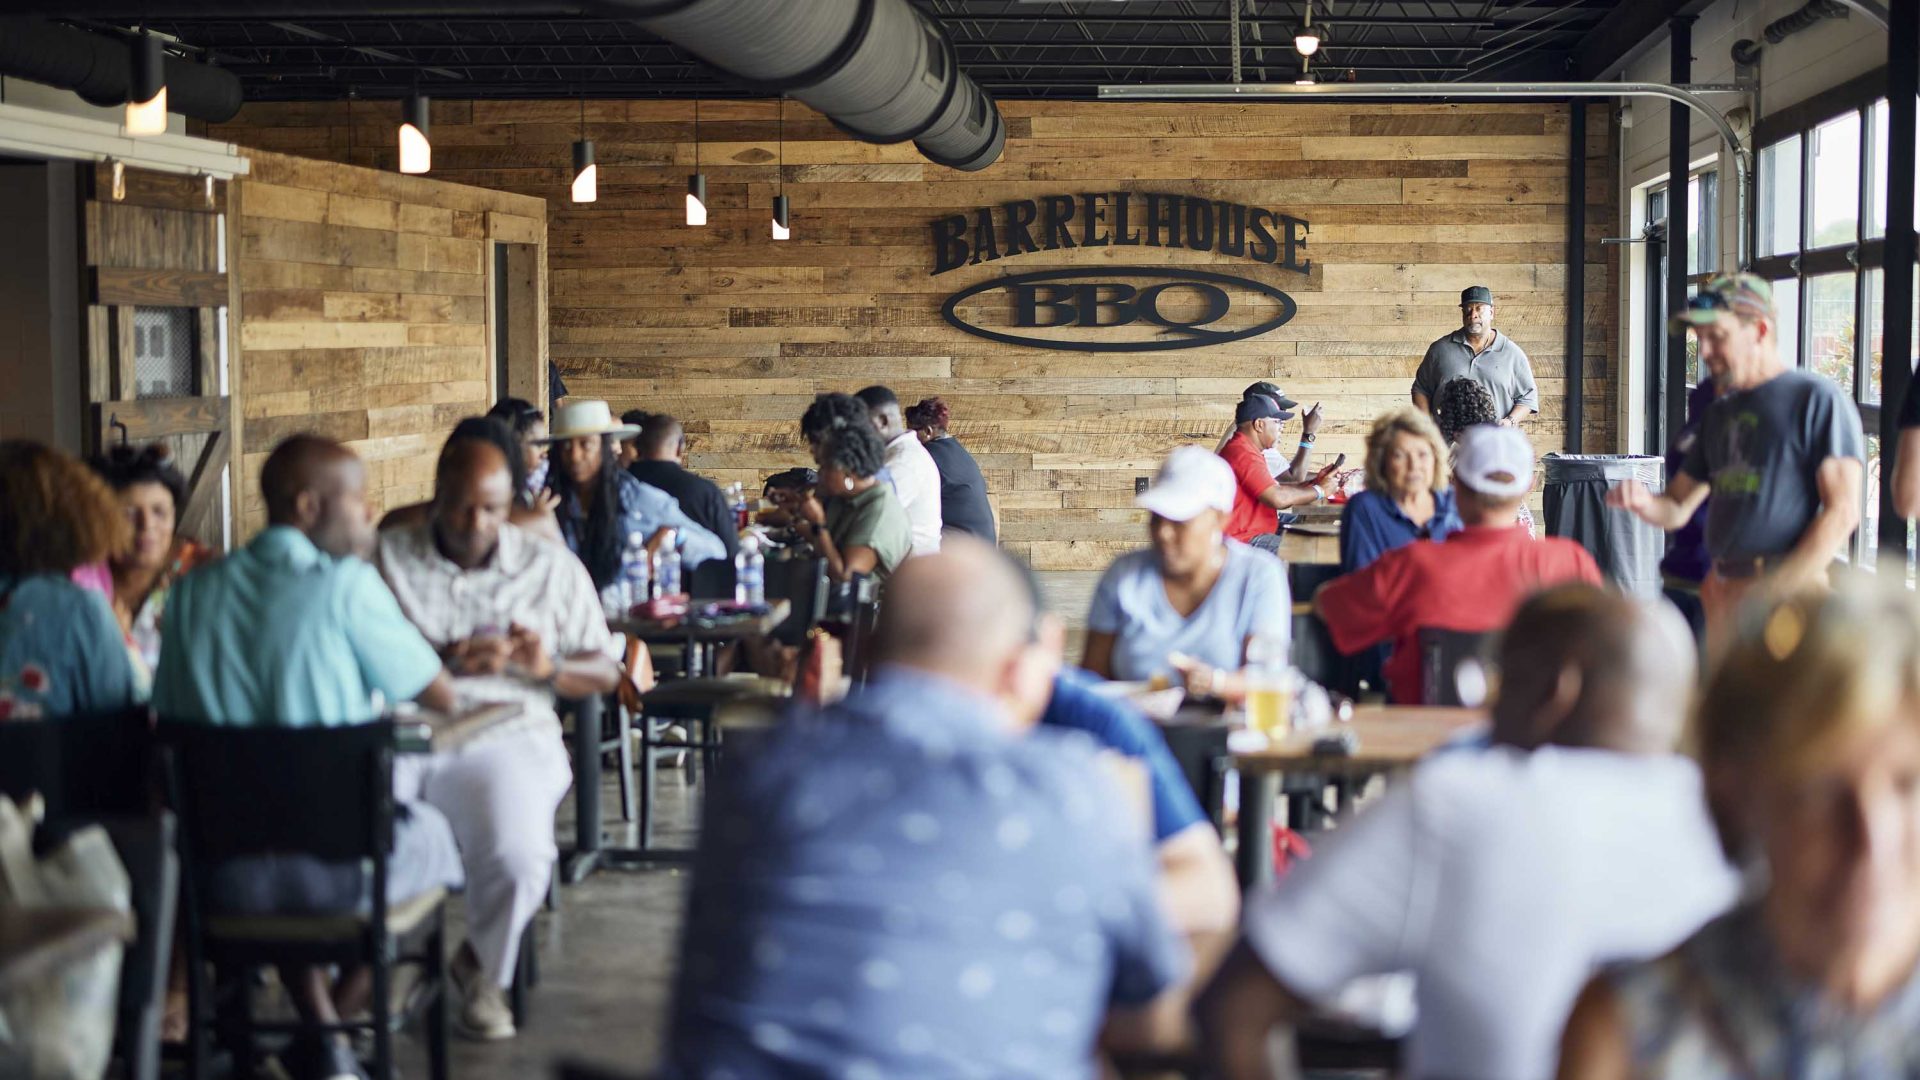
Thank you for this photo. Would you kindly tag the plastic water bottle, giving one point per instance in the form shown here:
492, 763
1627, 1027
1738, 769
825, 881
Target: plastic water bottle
749, 573
666, 566
634, 574
737, 499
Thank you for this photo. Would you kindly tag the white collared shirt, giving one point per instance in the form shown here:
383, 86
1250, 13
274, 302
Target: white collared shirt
916, 480
535, 584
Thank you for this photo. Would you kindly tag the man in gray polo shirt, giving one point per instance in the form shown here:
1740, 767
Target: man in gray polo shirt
1483, 354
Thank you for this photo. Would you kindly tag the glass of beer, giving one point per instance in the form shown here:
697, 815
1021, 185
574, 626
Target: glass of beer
1270, 692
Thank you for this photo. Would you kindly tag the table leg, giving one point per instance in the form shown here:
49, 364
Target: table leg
586, 790
1254, 859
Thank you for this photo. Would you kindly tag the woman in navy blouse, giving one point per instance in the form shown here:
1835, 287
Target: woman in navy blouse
1407, 497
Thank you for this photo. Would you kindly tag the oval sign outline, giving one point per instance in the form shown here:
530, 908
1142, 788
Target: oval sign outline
1288, 308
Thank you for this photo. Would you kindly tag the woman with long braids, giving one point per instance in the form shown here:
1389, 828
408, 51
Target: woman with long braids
607, 518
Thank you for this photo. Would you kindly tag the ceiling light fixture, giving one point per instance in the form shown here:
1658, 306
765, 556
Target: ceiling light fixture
1308, 39
416, 151
147, 93
697, 183
780, 230
586, 174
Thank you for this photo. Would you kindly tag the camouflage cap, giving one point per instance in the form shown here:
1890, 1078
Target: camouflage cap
1729, 292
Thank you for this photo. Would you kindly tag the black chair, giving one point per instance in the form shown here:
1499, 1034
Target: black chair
1445, 655
320, 792
801, 580
1313, 650
1201, 750
100, 770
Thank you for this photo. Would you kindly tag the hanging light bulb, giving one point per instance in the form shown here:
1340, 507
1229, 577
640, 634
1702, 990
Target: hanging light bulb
586, 175
147, 94
1306, 74
780, 230
1308, 39
697, 183
416, 152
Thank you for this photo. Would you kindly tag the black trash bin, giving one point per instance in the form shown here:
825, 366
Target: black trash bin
1628, 550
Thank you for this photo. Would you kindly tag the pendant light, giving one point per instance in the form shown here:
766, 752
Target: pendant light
1306, 73
697, 183
586, 175
780, 230
416, 152
1308, 39
147, 93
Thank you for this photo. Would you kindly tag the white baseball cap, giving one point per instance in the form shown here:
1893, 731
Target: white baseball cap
1493, 460
1191, 480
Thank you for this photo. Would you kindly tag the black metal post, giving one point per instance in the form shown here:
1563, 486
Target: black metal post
1896, 303
1679, 253
1576, 366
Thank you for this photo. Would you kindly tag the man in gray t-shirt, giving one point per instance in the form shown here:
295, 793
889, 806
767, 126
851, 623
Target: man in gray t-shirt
1781, 450
1483, 354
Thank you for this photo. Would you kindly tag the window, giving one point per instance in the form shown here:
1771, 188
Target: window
163, 351
1702, 260
1820, 212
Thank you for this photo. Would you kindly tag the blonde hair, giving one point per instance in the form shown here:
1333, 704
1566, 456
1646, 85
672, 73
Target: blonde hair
1804, 675
1409, 421
55, 513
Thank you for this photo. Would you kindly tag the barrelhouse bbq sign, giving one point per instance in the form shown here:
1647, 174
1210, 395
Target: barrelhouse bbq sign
1170, 307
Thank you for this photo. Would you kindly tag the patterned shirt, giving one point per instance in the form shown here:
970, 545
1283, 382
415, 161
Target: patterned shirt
1721, 1008
61, 652
901, 886
529, 582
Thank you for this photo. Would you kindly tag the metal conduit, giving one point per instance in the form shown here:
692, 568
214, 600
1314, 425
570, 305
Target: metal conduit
1742, 157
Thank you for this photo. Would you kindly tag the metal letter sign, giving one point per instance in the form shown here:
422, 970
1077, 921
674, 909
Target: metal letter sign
1095, 299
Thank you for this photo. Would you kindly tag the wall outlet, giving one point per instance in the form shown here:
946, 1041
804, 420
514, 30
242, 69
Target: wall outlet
1139, 484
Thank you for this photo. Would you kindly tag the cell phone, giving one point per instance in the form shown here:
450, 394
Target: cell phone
1342, 743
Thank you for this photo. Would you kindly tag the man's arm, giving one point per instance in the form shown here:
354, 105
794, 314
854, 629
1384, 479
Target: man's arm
1838, 480
1527, 401
1906, 474
1668, 510
1421, 402
1285, 496
1309, 429
1197, 881
1594, 1045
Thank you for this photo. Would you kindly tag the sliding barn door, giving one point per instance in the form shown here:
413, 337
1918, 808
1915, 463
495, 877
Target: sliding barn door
156, 281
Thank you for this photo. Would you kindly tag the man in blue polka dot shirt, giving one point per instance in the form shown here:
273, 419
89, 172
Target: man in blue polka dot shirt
916, 882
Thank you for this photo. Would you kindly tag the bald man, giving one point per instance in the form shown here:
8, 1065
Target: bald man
516, 620
1501, 878
917, 882
296, 630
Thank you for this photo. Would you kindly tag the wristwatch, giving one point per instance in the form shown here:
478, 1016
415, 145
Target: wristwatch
1319, 493
1307, 438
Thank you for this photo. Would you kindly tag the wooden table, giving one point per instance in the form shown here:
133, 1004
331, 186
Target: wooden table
1392, 737
696, 633
35, 943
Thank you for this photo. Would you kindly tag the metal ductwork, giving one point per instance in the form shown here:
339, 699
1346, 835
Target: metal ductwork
880, 70
100, 69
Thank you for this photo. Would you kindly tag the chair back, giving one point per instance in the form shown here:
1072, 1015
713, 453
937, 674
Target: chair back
711, 580
1201, 751
1451, 666
82, 766
802, 582
325, 791
1313, 650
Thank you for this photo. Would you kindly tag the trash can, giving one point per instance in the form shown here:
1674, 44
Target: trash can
1628, 550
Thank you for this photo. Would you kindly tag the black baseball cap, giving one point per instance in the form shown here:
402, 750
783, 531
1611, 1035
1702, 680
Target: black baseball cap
1267, 389
1476, 294
1258, 407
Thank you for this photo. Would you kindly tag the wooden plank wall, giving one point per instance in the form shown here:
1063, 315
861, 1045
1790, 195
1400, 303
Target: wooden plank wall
363, 313
734, 332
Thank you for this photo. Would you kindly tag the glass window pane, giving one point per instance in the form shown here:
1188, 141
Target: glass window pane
1779, 197
1786, 303
1656, 206
1693, 348
1876, 323
163, 342
1870, 512
1830, 328
1694, 255
1834, 203
1877, 205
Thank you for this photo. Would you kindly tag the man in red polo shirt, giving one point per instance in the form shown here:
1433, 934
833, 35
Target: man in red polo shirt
1473, 580
1258, 497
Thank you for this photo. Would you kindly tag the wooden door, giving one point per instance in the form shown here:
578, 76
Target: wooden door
156, 290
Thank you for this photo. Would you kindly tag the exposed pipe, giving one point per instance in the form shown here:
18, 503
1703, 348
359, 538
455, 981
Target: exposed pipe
1742, 159
100, 69
1747, 51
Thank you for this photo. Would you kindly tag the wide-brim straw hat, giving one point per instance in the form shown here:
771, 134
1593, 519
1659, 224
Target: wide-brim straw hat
577, 418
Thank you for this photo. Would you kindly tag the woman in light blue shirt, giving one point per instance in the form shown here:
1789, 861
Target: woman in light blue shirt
1187, 605
61, 649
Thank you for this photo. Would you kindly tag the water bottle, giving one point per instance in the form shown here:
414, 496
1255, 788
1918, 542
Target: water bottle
666, 566
742, 513
749, 573
634, 576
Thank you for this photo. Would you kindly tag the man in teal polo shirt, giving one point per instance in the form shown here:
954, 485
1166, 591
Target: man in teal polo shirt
297, 630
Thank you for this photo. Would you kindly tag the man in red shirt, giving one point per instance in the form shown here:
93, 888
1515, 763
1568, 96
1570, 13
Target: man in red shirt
1258, 497
1473, 580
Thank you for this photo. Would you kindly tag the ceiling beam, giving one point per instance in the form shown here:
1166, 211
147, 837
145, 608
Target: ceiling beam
1624, 31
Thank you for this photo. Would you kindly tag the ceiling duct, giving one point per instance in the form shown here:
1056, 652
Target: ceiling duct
879, 69
100, 69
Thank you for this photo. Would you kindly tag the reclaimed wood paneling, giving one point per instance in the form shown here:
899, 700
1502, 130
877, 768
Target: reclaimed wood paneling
735, 333
362, 300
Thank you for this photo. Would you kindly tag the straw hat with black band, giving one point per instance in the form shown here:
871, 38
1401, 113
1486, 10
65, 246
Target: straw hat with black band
575, 419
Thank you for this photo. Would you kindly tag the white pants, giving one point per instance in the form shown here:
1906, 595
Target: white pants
499, 795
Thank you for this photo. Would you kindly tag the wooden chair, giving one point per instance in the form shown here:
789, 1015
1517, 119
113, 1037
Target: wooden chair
101, 770
1444, 656
321, 792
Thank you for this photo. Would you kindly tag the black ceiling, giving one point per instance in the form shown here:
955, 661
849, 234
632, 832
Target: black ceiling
1014, 48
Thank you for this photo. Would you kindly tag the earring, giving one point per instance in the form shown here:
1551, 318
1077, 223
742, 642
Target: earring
848, 483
